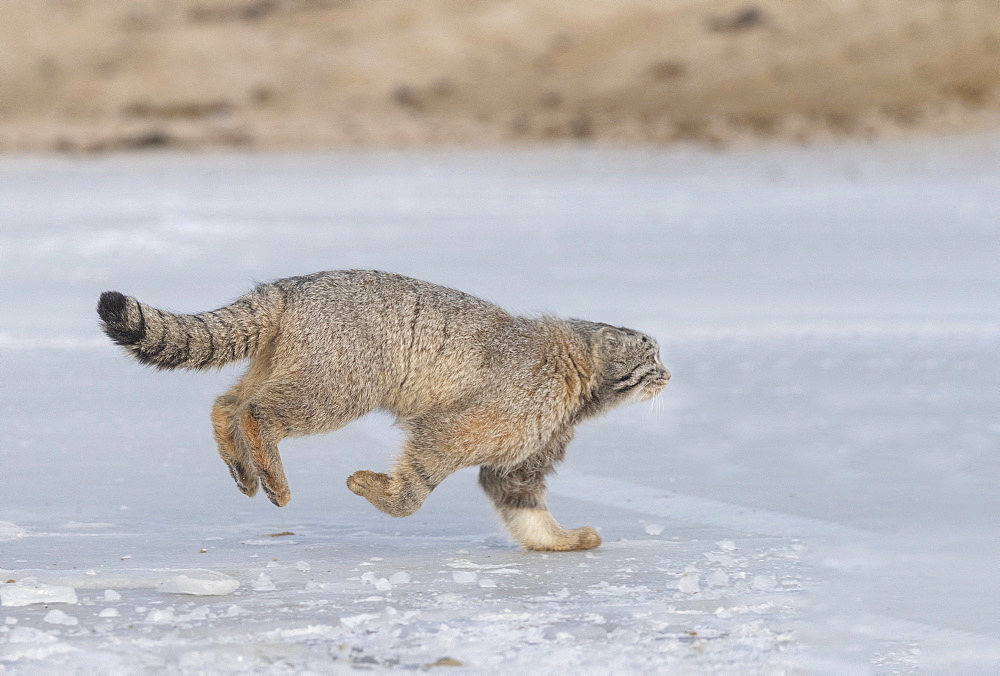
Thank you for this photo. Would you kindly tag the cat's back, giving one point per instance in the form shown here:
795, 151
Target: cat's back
405, 325
385, 300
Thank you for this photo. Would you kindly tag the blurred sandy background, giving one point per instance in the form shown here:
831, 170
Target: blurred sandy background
94, 75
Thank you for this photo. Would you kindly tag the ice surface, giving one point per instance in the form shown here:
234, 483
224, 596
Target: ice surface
718, 578
464, 576
764, 582
822, 464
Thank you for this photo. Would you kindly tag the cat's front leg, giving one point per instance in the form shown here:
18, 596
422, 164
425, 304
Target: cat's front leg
402, 492
519, 496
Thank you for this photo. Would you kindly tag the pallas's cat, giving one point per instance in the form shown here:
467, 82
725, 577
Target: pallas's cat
469, 383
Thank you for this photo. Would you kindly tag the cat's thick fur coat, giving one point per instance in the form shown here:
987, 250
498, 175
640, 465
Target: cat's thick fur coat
470, 384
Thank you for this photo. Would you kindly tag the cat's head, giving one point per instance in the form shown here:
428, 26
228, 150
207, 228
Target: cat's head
630, 365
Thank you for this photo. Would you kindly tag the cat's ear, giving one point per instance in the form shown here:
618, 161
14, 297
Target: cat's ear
610, 337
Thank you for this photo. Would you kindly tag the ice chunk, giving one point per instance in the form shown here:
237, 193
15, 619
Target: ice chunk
108, 612
689, 583
727, 545
11, 531
401, 577
303, 566
112, 595
29, 591
380, 583
464, 576
199, 583
487, 583
262, 583
59, 617
654, 528
201, 613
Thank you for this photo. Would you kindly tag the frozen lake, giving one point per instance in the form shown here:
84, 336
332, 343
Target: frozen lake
817, 490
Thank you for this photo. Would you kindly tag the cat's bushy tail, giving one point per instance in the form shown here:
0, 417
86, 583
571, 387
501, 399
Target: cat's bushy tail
168, 340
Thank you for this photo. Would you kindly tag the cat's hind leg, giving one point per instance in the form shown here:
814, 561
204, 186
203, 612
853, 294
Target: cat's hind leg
258, 431
225, 422
247, 437
518, 494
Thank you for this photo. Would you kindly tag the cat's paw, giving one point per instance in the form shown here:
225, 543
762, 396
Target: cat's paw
576, 540
278, 495
246, 485
379, 489
368, 484
583, 538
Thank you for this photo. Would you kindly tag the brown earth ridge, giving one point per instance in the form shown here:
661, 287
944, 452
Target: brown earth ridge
97, 75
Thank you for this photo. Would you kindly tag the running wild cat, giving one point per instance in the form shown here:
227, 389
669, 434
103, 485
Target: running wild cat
469, 383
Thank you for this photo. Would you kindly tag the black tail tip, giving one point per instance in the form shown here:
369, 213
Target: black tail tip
113, 309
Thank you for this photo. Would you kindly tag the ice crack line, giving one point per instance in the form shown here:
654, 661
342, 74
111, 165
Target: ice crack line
671, 505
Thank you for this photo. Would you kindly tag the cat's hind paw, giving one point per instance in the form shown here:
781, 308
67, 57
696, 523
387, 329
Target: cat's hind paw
247, 486
279, 495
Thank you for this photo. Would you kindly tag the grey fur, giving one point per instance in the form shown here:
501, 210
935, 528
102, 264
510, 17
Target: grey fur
470, 384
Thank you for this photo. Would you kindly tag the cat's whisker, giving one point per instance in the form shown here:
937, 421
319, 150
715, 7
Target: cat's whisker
658, 405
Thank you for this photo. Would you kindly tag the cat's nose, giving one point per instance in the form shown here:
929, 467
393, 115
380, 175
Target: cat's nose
665, 373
